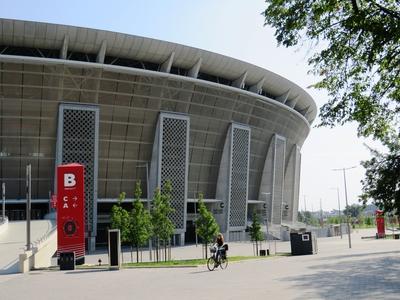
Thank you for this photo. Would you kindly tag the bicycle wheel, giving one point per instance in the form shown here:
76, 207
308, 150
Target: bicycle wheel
224, 263
211, 263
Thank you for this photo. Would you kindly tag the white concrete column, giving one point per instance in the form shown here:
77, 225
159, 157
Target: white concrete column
166, 65
64, 48
102, 52
283, 98
257, 88
241, 81
195, 69
292, 103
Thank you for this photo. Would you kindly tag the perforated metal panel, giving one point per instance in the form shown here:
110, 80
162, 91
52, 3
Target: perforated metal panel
267, 180
174, 159
77, 142
239, 176
279, 172
291, 185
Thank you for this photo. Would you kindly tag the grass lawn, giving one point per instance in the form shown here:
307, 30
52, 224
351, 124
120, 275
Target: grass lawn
180, 263
187, 262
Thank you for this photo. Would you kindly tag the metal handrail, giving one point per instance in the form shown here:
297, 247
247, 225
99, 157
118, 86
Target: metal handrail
44, 237
2, 221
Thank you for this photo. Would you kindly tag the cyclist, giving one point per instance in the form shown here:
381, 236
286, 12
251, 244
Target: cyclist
219, 242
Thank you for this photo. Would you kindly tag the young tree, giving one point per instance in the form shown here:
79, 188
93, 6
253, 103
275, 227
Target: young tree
163, 228
120, 219
140, 222
255, 231
353, 211
382, 179
206, 226
300, 217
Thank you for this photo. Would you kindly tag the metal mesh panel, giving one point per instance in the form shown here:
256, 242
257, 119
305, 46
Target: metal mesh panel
288, 194
78, 146
279, 180
269, 184
239, 177
173, 165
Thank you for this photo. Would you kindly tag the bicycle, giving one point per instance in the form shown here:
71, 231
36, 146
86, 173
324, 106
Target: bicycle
222, 260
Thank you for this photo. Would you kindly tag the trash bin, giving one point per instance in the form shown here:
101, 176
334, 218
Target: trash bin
262, 252
303, 243
67, 261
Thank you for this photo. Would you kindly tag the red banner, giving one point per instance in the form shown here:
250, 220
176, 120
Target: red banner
71, 210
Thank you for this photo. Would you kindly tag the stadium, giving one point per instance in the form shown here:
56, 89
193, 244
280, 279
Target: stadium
132, 108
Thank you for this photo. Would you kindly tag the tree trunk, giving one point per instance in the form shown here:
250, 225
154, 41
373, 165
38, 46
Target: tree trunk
256, 248
165, 250
131, 253
157, 247
137, 253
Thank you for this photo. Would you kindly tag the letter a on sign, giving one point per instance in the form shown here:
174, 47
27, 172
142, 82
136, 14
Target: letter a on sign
69, 180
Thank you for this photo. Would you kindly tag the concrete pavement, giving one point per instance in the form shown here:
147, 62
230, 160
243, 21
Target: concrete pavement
370, 270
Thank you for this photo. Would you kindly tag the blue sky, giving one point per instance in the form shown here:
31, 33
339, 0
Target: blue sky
230, 27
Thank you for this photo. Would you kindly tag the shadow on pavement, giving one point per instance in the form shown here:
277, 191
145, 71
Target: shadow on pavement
77, 272
358, 255
372, 278
11, 268
198, 272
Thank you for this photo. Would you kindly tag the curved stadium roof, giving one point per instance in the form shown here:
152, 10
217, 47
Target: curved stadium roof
105, 47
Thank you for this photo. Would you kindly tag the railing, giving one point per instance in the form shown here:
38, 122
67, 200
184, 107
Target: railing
51, 228
3, 224
2, 221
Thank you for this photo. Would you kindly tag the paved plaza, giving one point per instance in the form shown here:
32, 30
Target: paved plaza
370, 270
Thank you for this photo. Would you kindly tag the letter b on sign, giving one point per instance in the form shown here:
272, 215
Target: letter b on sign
69, 180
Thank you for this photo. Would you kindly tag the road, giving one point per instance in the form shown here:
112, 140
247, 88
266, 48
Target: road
370, 270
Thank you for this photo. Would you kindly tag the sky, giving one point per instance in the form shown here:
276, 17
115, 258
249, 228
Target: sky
234, 28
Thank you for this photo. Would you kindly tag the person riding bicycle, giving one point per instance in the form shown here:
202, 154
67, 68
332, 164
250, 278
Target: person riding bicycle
219, 242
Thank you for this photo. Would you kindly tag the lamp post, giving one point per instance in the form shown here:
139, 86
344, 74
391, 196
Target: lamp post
345, 193
3, 192
28, 207
340, 217
195, 217
146, 165
266, 219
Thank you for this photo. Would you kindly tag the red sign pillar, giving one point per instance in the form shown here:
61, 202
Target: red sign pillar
380, 223
71, 211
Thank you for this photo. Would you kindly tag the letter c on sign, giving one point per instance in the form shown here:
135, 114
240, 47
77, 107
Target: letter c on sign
69, 180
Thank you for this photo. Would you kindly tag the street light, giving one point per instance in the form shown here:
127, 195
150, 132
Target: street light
195, 216
340, 217
345, 193
3, 192
266, 219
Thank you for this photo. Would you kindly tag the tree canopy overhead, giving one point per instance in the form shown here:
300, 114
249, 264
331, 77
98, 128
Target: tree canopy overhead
357, 55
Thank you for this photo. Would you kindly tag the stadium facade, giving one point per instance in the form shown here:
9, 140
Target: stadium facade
133, 108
